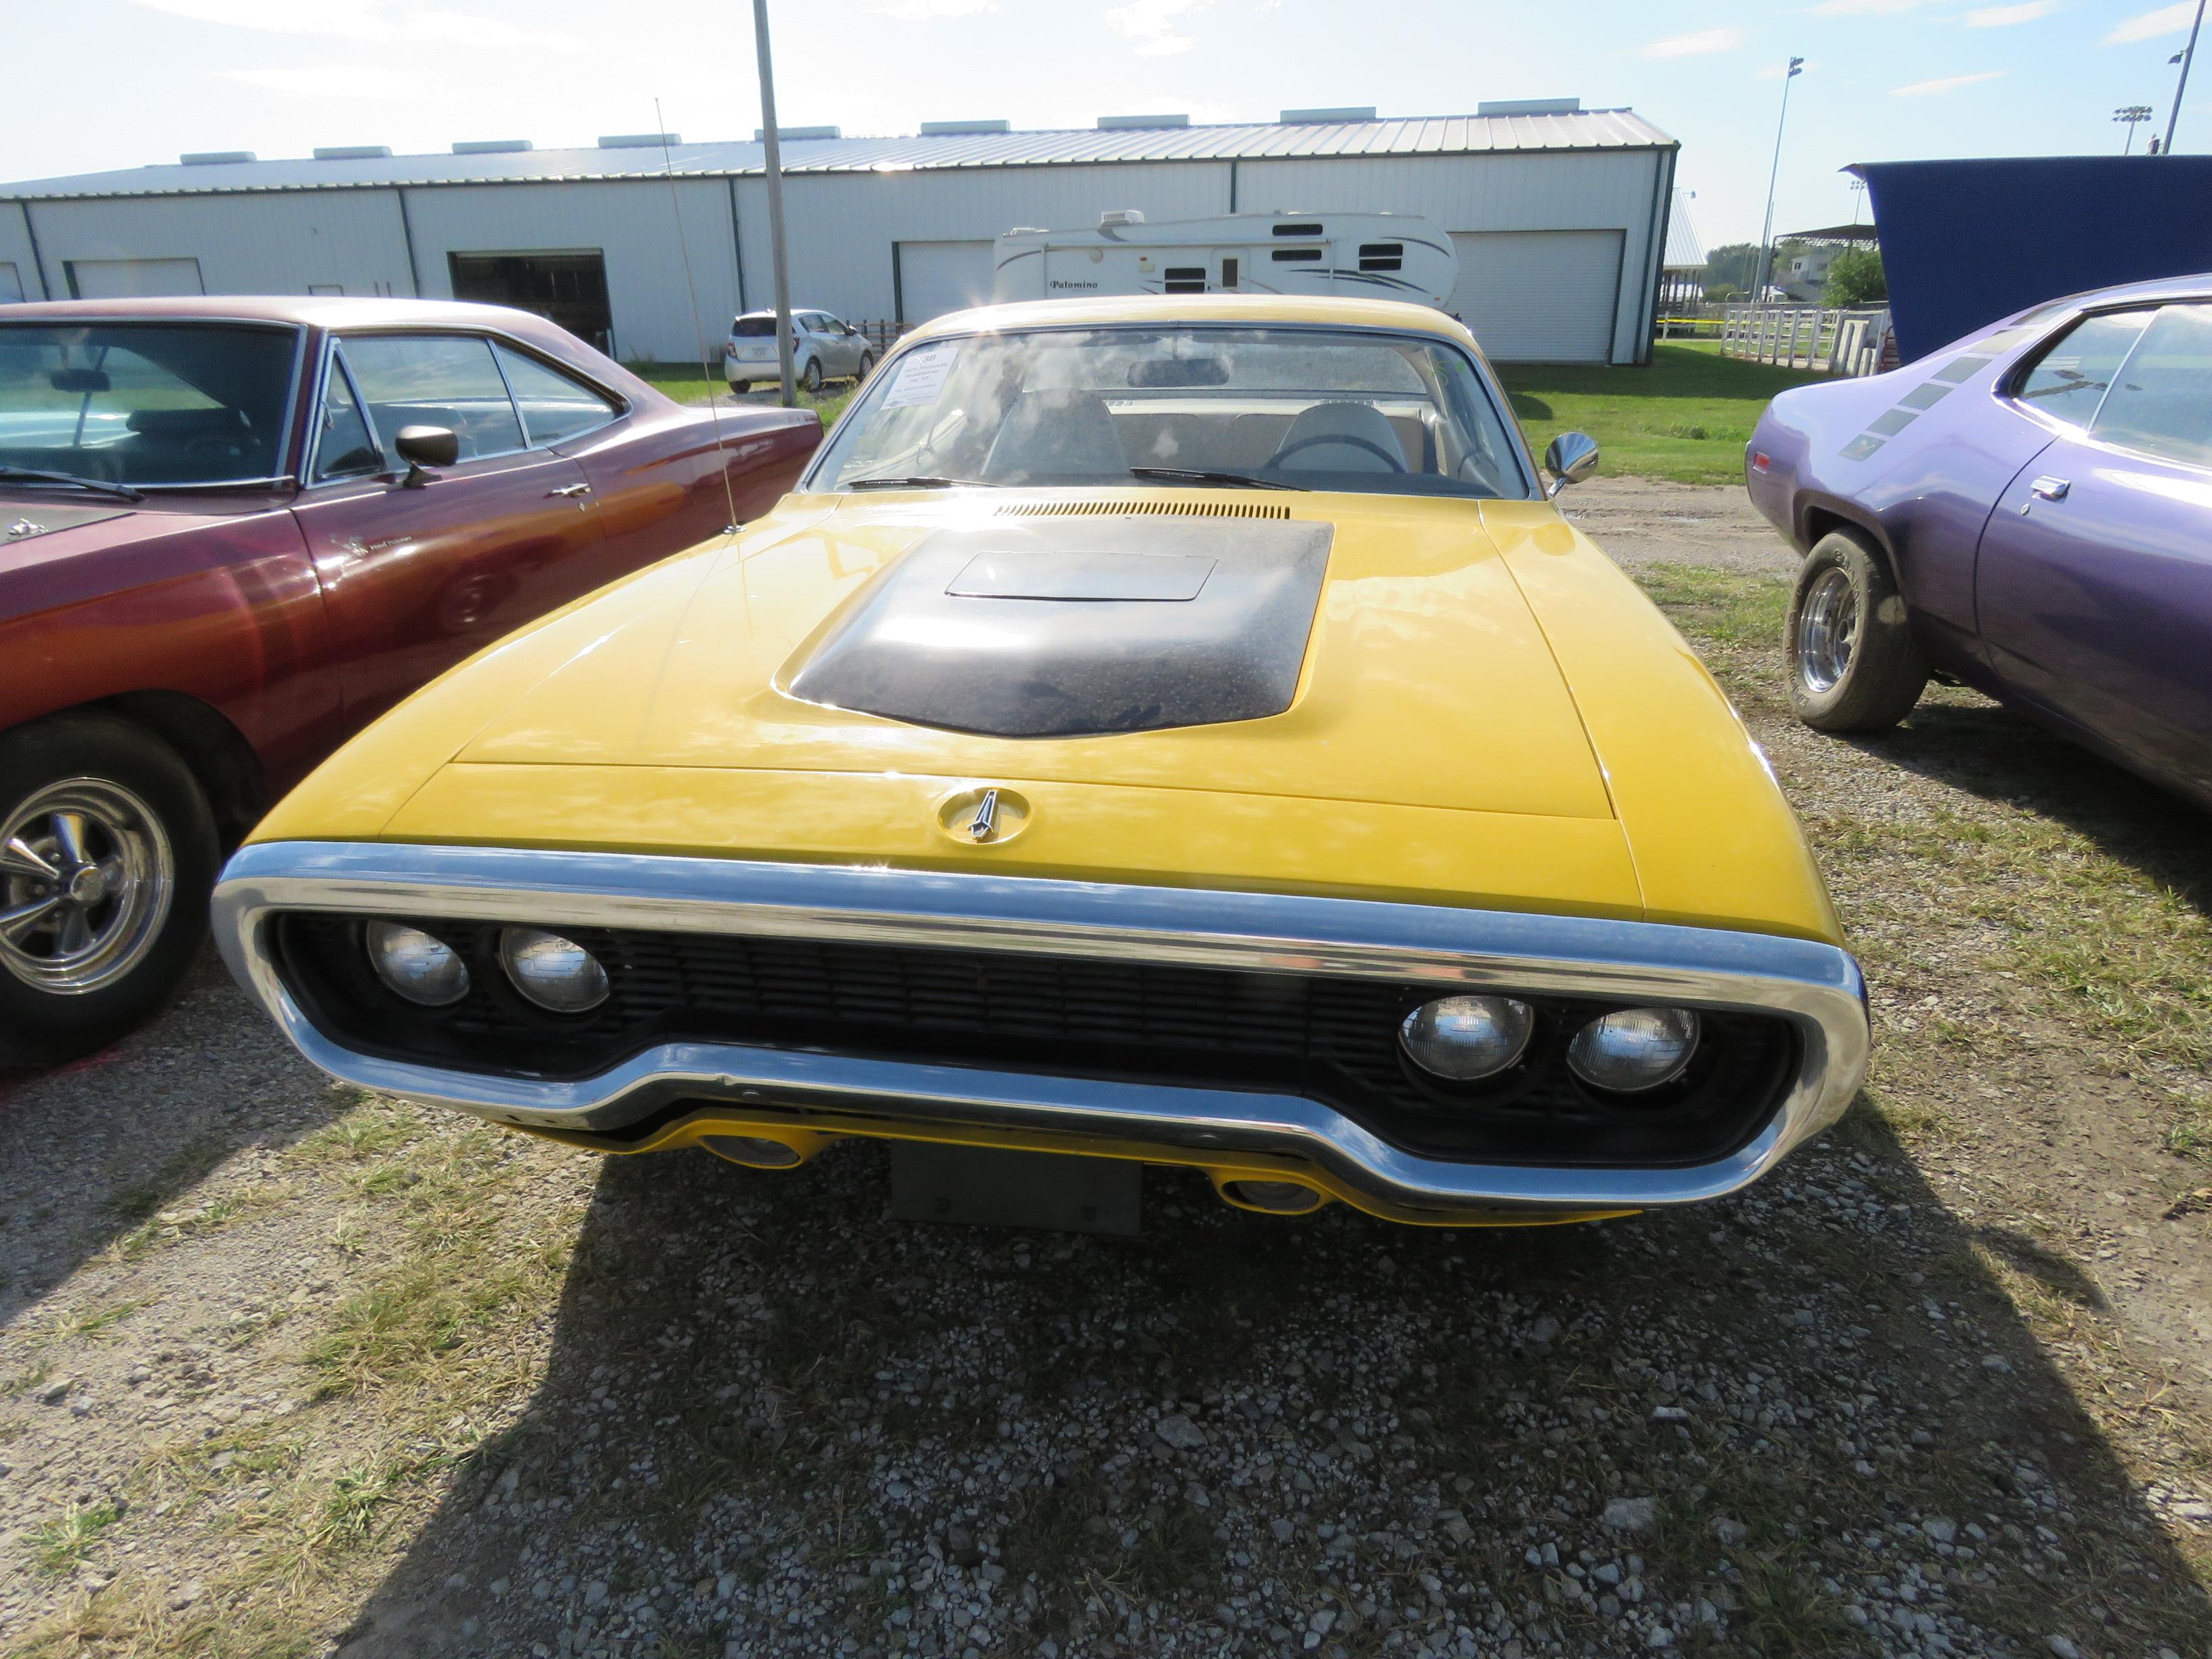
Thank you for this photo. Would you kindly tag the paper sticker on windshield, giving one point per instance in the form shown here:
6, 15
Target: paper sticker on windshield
921, 376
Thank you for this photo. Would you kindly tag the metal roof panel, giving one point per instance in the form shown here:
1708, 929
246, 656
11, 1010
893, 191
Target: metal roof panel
1613, 129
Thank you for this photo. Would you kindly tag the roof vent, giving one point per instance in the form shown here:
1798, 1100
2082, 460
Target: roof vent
491, 146
1299, 117
640, 140
1114, 216
1131, 122
352, 152
950, 129
1529, 107
793, 135
215, 158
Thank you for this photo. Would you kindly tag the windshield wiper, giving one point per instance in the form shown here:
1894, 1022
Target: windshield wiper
32, 475
923, 481
1196, 475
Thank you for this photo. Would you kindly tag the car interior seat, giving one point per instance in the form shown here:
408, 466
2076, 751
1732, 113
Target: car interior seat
1340, 437
1055, 436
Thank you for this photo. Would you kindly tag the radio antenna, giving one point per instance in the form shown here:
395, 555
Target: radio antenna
698, 324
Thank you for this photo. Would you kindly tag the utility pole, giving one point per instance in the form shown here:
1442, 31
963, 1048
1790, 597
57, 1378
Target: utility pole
2131, 115
774, 161
2187, 56
1766, 234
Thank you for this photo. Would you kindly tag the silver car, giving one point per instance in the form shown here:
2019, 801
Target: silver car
823, 348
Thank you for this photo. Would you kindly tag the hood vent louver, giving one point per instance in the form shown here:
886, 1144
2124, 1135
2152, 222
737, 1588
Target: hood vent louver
1136, 509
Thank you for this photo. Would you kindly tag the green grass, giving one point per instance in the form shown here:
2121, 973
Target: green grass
60, 1544
690, 383
1684, 417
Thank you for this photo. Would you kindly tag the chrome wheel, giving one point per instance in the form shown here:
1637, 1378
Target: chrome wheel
1827, 629
87, 876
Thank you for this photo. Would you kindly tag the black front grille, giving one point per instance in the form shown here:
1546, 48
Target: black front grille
1331, 1040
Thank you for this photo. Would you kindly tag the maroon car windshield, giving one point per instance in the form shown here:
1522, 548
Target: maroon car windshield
146, 405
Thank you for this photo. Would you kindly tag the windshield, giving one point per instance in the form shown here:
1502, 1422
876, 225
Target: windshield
754, 328
1281, 408
144, 403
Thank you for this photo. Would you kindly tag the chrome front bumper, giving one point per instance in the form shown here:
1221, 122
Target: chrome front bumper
1816, 988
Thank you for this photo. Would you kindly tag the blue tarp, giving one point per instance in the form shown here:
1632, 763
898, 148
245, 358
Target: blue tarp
1967, 242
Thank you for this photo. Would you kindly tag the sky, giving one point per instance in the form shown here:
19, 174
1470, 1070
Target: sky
123, 83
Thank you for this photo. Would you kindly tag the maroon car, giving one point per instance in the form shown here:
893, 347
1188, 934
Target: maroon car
234, 530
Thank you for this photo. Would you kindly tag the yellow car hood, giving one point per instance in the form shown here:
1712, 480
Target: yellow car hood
1419, 632
1486, 713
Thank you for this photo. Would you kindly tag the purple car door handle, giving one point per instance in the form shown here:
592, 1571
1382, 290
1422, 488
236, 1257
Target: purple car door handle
2048, 489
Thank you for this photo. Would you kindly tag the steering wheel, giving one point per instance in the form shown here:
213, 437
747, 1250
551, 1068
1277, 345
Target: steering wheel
1395, 463
215, 444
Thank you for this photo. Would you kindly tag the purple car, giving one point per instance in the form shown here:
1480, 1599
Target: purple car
2027, 511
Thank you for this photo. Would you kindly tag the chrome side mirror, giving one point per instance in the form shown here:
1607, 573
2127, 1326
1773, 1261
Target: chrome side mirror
1571, 458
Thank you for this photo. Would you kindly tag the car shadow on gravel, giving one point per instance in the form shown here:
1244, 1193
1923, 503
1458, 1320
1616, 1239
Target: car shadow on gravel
98, 1149
1805, 1419
1970, 744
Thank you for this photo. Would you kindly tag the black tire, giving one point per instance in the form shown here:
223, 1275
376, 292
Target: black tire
812, 380
1854, 664
141, 822
741, 388
868, 367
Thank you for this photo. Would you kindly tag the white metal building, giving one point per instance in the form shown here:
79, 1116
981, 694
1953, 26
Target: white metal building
1559, 216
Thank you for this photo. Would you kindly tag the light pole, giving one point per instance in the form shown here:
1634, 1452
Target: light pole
2188, 55
2131, 116
774, 159
1766, 233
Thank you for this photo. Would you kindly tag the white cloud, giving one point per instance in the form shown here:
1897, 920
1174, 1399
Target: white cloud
1151, 24
2004, 17
1948, 84
367, 21
1699, 44
330, 81
2167, 19
931, 11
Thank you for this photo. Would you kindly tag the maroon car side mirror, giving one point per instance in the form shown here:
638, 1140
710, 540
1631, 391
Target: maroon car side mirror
425, 446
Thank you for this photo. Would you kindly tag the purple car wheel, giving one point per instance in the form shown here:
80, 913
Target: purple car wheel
1853, 664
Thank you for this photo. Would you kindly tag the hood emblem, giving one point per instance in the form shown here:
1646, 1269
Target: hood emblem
987, 816
984, 823
24, 527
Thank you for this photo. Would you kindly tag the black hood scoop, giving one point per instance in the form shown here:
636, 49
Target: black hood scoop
1079, 629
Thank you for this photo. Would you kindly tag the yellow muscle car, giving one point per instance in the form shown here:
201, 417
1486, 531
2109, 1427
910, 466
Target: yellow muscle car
1174, 731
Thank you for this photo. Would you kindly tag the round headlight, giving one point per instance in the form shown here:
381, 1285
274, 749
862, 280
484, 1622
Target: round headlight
1634, 1049
553, 972
1463, 1038
424, 970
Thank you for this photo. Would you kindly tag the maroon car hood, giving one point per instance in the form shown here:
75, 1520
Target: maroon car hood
57, 550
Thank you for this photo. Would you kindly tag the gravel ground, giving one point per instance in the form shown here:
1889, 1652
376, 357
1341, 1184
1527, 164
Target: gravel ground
288, 1370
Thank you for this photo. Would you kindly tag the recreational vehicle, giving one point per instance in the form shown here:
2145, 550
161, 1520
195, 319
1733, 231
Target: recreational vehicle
1379, 256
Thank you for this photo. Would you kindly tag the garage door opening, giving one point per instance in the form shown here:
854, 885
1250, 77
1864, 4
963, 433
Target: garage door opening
1540, 296
934, 277
568, 288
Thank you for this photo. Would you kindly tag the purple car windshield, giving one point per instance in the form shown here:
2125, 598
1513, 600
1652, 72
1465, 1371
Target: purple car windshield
145, 405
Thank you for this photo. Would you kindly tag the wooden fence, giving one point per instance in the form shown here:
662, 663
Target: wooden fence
1806, 337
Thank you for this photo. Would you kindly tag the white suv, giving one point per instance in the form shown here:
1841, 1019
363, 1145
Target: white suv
822, 348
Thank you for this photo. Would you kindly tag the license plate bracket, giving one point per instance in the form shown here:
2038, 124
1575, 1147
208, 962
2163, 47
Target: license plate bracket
988, 1186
